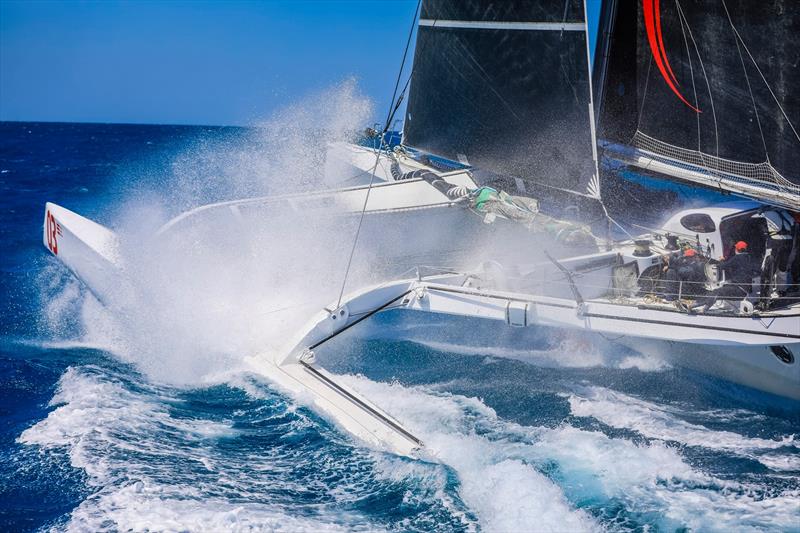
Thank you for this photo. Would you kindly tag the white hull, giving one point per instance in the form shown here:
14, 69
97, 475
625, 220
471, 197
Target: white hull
731, 347
736, 348
752, 366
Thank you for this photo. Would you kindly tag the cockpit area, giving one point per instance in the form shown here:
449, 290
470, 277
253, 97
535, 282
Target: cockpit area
768, 236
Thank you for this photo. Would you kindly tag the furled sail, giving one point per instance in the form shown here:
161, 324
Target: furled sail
707, 92
506, 87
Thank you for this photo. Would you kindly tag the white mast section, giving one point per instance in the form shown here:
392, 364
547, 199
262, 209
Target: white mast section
594, 185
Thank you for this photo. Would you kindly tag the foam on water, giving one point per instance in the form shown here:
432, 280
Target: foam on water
115, 436
655, 483
153, 465
501, 464
503, 491
663, 422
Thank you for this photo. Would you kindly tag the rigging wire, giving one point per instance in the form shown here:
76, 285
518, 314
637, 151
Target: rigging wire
644, 99
617, 224
749, 88
705, 76
739, 39
392, 110
691, 75
393, 107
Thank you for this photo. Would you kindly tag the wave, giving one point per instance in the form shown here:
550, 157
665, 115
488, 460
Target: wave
569, 478
158, 458
662, 422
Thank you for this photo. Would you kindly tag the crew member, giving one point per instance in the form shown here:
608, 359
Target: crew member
739, 271
688, 268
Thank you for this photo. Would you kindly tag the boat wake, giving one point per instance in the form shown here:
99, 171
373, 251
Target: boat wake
511, 472
240, 455
161, 459
228, 451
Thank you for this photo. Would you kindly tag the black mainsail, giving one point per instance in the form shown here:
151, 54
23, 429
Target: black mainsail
506, 86
704, 91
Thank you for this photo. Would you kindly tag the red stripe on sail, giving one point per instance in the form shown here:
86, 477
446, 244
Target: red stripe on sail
652, 22
659, 36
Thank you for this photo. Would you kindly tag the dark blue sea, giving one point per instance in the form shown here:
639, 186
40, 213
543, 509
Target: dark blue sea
147, 421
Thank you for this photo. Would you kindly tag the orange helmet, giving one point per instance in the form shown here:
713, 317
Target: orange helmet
741, 246
689, 252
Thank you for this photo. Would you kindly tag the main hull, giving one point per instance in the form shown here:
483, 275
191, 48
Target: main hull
756, 366
754, 351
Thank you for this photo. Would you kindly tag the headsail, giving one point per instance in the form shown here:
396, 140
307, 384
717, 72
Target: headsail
706, 92
506, 85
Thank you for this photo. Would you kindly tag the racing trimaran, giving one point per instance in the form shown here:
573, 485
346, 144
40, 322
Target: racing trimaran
503, 98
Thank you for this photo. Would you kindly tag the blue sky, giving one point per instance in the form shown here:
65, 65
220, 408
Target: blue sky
192, 62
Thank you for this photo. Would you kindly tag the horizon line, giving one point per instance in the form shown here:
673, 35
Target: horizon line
110, 123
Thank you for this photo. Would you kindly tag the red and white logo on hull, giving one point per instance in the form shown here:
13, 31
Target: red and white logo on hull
53, 231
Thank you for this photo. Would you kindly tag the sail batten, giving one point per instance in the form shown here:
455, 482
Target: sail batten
504, 25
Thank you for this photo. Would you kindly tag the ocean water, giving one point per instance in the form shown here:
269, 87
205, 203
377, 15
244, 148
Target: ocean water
149, 422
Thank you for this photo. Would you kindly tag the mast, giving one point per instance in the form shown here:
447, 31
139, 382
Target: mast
605, 28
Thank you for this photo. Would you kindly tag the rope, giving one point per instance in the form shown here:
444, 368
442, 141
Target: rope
617, 224
360, 222
392, 109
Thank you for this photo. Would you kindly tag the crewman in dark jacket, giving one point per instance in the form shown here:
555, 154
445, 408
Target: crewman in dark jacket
739, 271
688, 268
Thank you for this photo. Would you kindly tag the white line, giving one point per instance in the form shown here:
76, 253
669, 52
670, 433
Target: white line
484, 25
